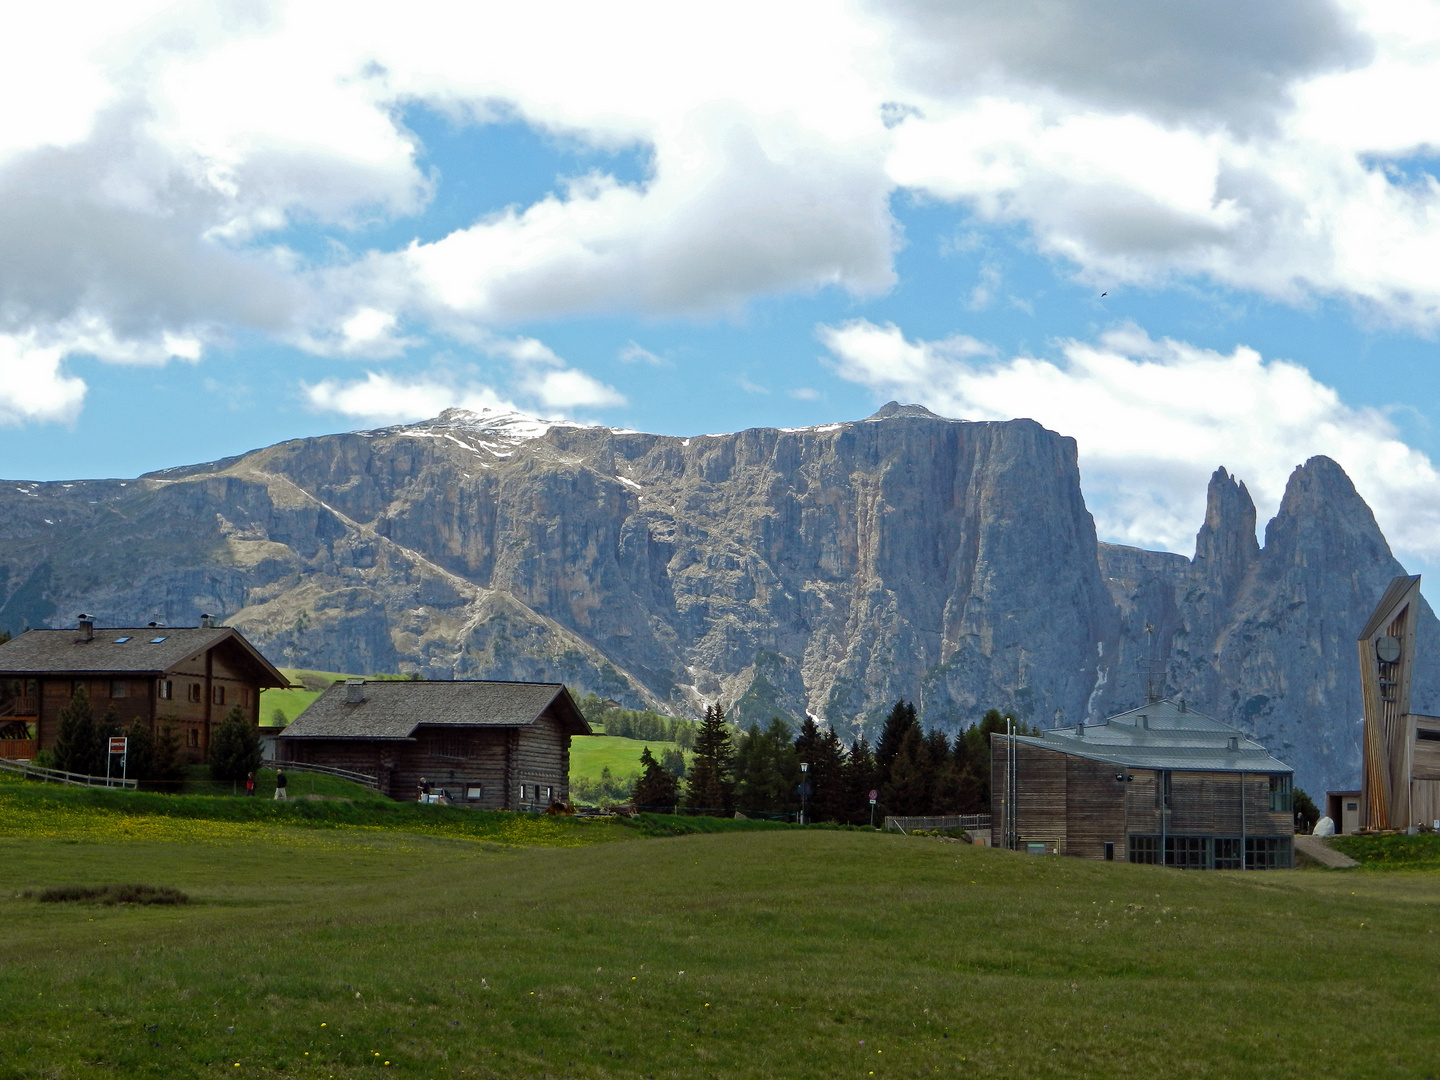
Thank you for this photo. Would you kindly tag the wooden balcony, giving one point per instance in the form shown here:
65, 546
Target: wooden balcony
20, 705
18, 749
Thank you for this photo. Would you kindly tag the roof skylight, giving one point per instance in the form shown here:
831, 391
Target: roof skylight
121, 640
156, 640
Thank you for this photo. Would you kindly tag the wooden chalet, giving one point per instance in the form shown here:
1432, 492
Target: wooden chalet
1160, 784
492, 745
1400, 781
184, 677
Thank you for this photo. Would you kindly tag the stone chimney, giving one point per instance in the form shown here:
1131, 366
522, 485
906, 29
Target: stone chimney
87, 627
1234, 743
354, 691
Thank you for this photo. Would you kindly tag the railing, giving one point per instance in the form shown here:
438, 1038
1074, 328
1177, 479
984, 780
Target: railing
60, 776
942, 821
18, 749
20, 705
329, 770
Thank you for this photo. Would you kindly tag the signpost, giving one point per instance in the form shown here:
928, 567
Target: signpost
118, 745
873, 796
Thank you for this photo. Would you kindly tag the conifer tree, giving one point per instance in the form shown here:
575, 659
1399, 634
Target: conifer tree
673, 762
827, 778
74, 749
766, 770
861, 778
140, 751
907, 790
898, 724
656, 789
168, 771
710, 786
234, 748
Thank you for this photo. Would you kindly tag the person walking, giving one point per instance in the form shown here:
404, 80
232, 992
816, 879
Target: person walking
424, 790
280, 784
250, 784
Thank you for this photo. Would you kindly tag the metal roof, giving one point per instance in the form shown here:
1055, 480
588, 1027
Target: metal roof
394, 708
138, 650
1165, 734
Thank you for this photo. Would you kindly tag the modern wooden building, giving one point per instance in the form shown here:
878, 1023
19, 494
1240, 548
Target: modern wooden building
493, 745
1160, 784
1400, 781
185, 677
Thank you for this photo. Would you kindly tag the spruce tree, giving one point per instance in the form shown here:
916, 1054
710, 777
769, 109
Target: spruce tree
907, 790
861, 778
673, 762
74, 749
827, 770
656, 789
140, 751
234, 748
766, 770
898, 724
710, 785
168, 772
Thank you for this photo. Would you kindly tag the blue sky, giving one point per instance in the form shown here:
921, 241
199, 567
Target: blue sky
684, 223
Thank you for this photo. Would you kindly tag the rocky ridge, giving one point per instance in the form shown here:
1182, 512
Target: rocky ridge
830, 569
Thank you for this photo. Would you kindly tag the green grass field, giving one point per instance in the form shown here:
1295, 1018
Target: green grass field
591, 753
332, 951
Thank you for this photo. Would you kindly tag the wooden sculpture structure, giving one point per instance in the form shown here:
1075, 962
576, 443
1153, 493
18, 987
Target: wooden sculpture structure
1400, 785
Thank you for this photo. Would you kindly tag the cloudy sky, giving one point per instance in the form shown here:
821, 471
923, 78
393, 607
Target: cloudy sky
1189, 235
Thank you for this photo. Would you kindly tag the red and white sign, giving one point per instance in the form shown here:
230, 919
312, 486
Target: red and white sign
118, 744
874, 795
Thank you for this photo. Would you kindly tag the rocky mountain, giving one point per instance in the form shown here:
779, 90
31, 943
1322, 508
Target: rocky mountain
832, 569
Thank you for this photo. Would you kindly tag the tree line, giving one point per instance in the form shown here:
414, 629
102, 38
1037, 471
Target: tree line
638, 723
153, 755
758, 771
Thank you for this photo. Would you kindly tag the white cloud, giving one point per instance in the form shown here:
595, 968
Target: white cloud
1153, 419
32, 385
163, 148
383, 399
637, 354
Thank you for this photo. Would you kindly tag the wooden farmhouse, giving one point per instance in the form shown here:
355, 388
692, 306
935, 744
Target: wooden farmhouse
1160, 784
493, 745
184, 677
1400, 782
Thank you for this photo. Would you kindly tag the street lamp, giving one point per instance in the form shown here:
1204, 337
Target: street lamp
804, 788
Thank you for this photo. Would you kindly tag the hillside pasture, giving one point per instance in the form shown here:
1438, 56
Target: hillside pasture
774, 952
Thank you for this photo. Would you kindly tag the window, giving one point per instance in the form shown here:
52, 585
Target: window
450, 744
1162, 789
1282, 793
156, 640
474, 792
1109, 851
192, 737
1227, 853
166, 689
76, 685
522, 792
121, 640
195, 692
1187, 852
1144, 849
1352, 806
1267, 852
1428, 734
119, 688
217, 695
547, 794
245, 696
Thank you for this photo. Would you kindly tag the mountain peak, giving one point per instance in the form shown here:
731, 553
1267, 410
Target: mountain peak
1225, 547
894, 408
506, 424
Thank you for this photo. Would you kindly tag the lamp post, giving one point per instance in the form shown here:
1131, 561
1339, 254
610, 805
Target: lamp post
804, 789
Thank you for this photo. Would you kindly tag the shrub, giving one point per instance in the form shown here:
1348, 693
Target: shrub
74, 749
111, 894
235, 748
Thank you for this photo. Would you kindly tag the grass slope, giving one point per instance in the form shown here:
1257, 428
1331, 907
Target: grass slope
591, 753
310, 684
332, 953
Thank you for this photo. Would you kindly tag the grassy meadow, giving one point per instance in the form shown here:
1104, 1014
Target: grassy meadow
591, 753
321, 948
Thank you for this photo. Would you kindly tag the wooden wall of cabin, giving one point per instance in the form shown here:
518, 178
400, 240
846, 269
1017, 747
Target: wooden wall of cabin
542, 763
454, 758
1095, 808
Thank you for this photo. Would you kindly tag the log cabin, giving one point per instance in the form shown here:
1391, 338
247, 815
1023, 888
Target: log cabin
1160, 784
184, 677
492, 745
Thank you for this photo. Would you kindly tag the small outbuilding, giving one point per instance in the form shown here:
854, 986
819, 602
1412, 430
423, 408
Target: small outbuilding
1160, 784
493, 745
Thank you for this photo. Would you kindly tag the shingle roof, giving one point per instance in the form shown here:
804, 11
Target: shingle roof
394, 708
1164, 734
144, 650
1398, 587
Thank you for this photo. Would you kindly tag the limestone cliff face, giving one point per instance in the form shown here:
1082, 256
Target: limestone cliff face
831, 569
1265, 638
